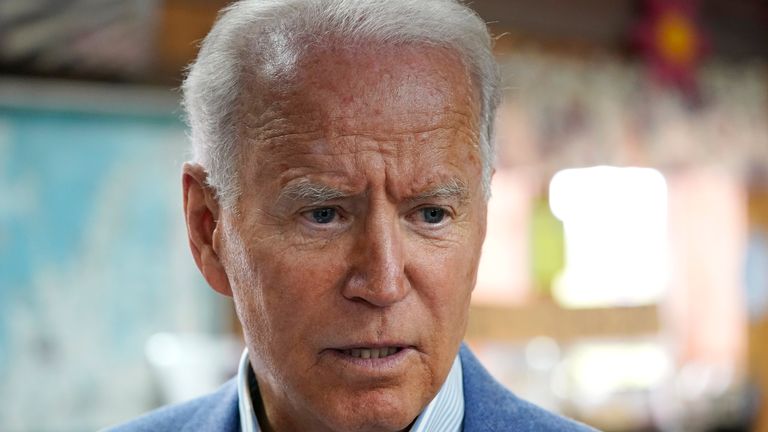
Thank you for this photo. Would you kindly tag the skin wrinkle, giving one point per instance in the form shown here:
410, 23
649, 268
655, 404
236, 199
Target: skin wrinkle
309, 244
380, 273
312, 193
298, 171
270, 45
272, 114
277, 139
280, 151
287, 91
257, 130
317, 193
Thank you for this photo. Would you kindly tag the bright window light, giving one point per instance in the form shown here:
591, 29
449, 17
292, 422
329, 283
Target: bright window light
615, 223
590, 372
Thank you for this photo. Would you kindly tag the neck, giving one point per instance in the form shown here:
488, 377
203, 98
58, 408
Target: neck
258, 405
268, 418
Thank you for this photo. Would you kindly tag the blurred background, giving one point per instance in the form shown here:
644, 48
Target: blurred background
624, 280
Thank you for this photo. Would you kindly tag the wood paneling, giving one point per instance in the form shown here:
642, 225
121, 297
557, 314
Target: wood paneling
183, 25
547, 319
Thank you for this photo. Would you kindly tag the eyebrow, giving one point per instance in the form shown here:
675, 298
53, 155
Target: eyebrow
316, 193
453, 189
313, 193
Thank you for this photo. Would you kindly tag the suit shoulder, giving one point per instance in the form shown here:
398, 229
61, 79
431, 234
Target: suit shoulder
520, 415
217, 411
489, 406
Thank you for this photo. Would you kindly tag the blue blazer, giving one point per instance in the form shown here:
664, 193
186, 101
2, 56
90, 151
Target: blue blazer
488, 406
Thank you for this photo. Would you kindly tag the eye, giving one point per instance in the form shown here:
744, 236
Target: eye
433, 215
323, 215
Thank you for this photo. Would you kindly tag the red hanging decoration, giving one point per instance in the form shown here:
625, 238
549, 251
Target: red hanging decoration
672, 43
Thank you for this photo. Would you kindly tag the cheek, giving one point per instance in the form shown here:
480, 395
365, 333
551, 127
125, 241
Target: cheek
455, 273
443, 278
290, 291
285, 301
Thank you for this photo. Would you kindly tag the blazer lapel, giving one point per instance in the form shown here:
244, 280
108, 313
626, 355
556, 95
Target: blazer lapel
221, 414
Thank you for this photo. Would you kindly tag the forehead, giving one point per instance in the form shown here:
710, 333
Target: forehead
385, 84
409, 102
386, 81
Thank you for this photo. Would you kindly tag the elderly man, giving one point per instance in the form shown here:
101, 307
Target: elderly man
338, 194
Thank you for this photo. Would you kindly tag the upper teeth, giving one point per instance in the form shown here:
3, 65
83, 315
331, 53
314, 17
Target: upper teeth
373, 353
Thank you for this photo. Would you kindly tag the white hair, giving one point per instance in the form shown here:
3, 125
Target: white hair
262, 38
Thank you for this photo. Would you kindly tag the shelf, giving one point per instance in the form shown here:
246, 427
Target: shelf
547, 319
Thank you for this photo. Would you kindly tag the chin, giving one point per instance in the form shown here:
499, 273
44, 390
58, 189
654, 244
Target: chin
373, 425
374, 413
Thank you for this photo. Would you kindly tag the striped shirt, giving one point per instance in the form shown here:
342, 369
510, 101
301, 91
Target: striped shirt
444, 413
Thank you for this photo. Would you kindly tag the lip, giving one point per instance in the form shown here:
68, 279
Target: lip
373, 345
380, 367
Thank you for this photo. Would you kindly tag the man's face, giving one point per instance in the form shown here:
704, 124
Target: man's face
358, 235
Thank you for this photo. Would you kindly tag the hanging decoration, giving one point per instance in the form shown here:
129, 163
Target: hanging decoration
669, 38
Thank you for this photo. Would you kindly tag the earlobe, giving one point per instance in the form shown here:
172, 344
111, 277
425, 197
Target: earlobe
201, 213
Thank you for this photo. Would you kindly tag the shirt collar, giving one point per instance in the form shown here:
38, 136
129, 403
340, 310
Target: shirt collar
444, 413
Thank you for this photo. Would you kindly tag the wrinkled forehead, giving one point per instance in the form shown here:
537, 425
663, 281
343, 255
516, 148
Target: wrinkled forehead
418, 78
365, 86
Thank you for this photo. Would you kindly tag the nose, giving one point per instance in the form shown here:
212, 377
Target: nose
377, 276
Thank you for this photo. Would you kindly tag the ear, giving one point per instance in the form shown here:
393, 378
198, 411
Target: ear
201, 212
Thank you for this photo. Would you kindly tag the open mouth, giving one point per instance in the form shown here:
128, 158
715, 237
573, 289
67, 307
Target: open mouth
371, 353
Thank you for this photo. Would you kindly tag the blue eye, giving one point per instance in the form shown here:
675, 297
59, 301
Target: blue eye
433, 215
324, 215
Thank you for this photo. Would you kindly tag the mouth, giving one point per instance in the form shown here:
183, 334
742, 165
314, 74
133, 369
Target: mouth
373, 360
362, 362
371, 353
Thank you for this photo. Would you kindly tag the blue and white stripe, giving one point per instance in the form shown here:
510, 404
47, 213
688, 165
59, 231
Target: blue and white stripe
248, 421
444, 413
